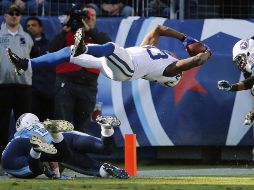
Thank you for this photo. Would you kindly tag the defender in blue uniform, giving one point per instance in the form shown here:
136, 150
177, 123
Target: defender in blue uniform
36, 142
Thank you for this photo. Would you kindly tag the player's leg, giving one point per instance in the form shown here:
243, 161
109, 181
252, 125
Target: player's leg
21, 64
107, 124
55, 128
39, 146
84, 164
15, 159
88, 61
118, 65
85, 143
95, 50
18, 162
113, 67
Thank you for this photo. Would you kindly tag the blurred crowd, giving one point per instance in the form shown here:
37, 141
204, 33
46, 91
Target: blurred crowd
177, 9
103, 8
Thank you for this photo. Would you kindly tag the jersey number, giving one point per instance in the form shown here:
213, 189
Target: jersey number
160, 55
38, 129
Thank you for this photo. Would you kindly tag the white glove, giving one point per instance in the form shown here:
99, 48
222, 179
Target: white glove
249, 118
224, 85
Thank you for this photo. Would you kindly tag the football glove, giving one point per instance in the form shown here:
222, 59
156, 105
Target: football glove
249, 118
224, 85
189, 40
208, 49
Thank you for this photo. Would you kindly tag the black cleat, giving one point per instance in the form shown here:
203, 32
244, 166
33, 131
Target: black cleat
115, 171
20, 64
108, 121
79, 46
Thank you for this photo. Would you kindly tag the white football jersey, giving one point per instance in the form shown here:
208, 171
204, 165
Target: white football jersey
150, 63
132, 63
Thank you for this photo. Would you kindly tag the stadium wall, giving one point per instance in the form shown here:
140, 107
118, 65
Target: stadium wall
193, 113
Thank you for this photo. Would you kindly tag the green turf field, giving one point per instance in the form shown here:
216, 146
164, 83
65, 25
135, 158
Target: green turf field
148, 179
135, 183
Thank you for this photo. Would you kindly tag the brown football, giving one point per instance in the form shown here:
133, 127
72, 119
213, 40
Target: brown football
195, 48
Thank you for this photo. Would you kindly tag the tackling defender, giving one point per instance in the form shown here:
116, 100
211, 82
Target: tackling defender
36, 142
121, 64
243, 56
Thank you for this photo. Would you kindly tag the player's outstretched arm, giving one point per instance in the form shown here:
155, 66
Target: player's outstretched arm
152, 38
186, 64
242, 85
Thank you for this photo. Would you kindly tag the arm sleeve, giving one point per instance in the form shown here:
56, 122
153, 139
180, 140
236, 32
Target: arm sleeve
243, 85
249, 82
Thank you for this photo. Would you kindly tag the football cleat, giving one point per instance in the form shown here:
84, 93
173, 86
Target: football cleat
20, 64
115, 171
55, 126
108, 121
249, 118
79, 46
39, 145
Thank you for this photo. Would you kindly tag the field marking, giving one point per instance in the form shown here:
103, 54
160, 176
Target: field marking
173, 172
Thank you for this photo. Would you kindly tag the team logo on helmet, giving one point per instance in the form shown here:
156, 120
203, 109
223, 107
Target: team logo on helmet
25, 120
244, 44
18, 123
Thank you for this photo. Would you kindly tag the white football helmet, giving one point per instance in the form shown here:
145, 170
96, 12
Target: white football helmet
25, 120
243, 54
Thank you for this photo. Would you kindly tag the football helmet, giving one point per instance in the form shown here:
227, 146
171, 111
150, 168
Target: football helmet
243, 55
25, 120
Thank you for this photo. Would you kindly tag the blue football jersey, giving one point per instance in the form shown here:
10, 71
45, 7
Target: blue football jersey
35, 129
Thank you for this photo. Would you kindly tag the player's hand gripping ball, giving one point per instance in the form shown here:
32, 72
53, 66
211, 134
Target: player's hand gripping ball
195, 48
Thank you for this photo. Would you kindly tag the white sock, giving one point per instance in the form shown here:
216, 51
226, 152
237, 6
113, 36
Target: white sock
107, 132
34, 154
103, 173
57, 137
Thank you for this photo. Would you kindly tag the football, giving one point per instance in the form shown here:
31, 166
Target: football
195, 48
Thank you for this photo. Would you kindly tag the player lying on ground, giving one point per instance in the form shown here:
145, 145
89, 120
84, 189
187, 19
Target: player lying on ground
121, 64
243, 57
55, 141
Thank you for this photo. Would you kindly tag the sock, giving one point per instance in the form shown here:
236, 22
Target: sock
57, 137
55, 58
100, 50
107, 132
34, 154
103, 173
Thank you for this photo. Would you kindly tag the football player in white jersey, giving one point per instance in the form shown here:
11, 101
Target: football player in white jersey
243, 57
121, 64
